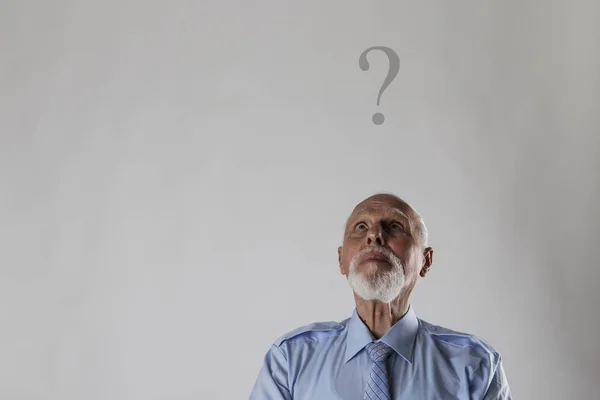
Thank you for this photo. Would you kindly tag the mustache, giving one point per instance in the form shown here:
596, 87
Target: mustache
378, 250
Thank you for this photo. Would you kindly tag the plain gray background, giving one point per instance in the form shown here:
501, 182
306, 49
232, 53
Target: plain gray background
175, 177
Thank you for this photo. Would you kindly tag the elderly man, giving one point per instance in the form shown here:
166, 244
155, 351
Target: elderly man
383, 351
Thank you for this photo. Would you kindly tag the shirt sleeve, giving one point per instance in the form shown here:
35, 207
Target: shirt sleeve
489, 380
272, 380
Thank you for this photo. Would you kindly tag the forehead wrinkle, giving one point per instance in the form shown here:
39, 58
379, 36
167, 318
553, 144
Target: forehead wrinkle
387, 211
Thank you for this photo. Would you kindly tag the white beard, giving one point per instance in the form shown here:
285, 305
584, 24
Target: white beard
383, 286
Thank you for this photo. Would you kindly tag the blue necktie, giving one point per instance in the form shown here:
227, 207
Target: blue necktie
377, 386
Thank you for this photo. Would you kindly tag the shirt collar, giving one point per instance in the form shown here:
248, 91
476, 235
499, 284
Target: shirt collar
400, 337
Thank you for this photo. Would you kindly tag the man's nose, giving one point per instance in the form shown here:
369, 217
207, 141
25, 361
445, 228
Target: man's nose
376, 236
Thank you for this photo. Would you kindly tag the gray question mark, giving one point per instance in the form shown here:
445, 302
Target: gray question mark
393, 69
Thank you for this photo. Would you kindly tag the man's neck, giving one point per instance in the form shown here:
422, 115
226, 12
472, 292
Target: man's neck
380, 317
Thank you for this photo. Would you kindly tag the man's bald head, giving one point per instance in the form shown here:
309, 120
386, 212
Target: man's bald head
384, 249
395, 203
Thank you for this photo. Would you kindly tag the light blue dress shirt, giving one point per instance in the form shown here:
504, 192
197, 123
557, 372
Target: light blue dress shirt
328, 360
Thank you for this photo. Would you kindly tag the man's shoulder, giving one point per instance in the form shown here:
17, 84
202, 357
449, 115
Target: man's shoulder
312, 331
458, 340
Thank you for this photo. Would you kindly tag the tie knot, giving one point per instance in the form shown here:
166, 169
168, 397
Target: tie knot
378, 351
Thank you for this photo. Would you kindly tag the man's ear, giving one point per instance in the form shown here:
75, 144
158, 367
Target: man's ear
340, 259
427, 261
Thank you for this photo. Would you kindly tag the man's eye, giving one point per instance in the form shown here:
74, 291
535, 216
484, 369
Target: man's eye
361, 225
396, 226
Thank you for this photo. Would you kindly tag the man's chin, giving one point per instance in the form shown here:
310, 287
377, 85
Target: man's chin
372, 269
367, 285
382, 298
